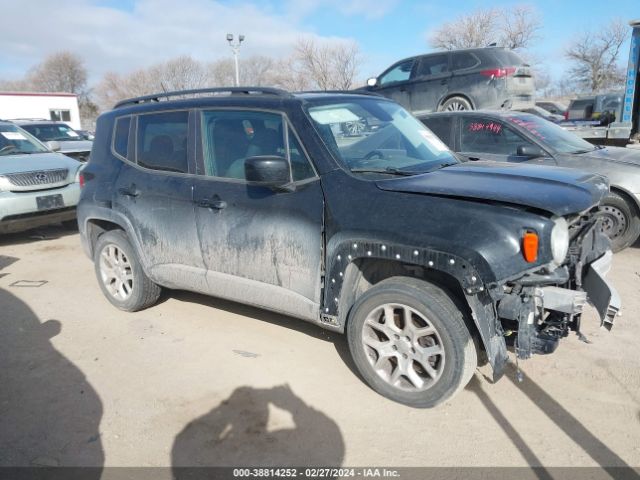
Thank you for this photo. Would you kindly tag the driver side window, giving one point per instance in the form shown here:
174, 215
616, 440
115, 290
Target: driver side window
230, 137
399, 73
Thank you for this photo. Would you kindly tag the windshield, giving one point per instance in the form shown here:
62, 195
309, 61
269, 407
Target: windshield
14, 140
376, 136
50, 132
556, 137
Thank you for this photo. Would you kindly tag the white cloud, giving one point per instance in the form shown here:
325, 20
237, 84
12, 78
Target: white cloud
110, 39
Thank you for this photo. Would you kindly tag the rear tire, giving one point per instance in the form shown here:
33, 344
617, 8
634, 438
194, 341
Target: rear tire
621, 221
455, 104
410, 342
120, 274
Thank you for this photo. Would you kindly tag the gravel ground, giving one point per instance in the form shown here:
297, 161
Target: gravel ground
201, 381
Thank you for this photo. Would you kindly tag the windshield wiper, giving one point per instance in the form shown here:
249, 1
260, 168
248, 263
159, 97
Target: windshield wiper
389, 170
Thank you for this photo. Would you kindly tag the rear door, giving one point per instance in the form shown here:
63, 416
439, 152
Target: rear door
260, 246
154, 191
429, 83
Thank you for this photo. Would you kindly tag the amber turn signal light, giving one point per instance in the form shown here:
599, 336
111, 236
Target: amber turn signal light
530, 246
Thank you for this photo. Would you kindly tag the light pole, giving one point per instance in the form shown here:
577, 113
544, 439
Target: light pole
235, 47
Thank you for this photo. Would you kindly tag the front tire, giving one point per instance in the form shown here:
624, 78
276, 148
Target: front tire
410, 342
120, 274
621, 222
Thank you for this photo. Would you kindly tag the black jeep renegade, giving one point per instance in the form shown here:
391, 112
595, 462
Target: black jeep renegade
264, 197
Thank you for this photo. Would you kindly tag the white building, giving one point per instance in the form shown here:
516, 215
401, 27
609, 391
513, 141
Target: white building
49, 106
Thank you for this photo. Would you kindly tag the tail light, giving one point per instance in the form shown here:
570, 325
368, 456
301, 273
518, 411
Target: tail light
81, 179
499, 72
566, 114
530, 246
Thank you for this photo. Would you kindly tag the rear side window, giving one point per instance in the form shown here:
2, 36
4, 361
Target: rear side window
508, 58
162, 141
441, 126
399, 73
463, 60
433, 65
121, 136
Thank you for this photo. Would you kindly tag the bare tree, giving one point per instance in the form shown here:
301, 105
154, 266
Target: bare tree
328, 66
514, 28
477, 29
221, 73
595, 55
59, 72
181, 73
519, 27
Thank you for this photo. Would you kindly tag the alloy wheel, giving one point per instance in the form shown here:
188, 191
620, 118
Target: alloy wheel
403, 347
115, 272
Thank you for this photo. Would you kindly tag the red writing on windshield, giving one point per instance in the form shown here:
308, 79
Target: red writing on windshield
492, 127
531, 127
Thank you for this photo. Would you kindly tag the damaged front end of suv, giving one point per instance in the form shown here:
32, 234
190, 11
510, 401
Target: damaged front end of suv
539, 308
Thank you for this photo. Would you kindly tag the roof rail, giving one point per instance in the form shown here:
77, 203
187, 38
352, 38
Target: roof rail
199, 91
346, 92
30, 119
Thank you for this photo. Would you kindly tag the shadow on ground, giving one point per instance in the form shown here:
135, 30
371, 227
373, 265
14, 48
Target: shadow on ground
606, 458
259, 427
49, 232
49, 413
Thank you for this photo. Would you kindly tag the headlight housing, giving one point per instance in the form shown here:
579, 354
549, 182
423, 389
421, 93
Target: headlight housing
4, 184
559, 240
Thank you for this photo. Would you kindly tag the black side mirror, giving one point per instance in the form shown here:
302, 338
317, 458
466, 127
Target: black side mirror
530, 151
267, 170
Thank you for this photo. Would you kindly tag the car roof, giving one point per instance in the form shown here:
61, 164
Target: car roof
486, 113
241, 96
30, 121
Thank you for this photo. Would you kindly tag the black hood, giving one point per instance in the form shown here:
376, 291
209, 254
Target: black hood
560, 191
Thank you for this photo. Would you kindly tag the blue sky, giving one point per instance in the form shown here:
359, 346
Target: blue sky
121, 35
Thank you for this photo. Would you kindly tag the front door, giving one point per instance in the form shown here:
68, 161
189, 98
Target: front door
491, 139
260, 246
155, 194
429, 83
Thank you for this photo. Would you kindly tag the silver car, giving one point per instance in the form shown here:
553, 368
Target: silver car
59, 136
37, 186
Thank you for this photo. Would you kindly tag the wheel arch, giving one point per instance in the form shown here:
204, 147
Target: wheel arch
627, 196
356, 266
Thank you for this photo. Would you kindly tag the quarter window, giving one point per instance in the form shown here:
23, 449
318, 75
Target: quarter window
162, 141
463, 60
121, 136
441, 126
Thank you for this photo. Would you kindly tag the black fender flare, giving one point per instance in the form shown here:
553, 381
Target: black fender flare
479, 301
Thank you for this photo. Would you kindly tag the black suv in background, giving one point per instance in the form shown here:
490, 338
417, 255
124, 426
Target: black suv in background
470, 79
255, 195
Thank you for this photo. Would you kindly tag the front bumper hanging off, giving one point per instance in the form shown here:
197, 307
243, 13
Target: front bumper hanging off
601, 294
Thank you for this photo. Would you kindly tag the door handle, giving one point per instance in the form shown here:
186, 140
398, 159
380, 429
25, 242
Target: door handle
215, 204
130, 191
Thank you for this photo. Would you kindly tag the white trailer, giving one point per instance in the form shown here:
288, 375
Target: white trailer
48, 106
